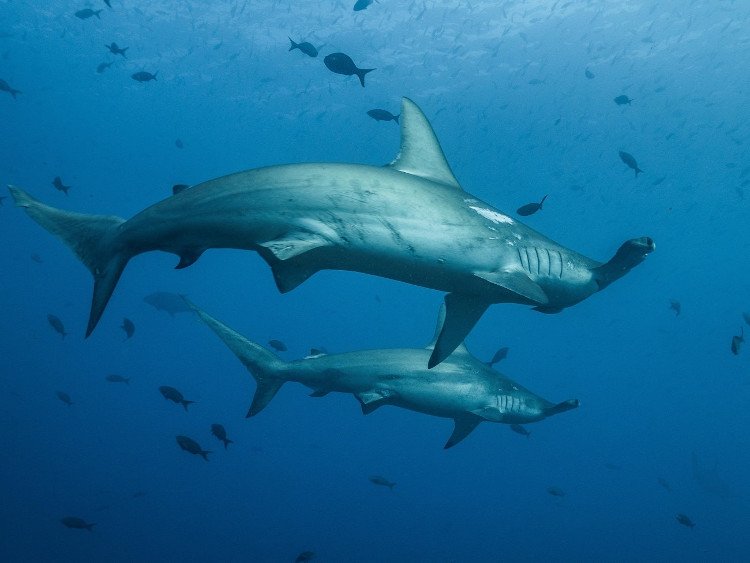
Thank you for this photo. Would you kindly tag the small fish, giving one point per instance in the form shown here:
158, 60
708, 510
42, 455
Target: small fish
664, 483
5, 87
685, 520
536, 81
128, 327
57, 325
383, 115
86, 13
191, 446
58, 183
361, 5
341, 63
172, 394
519, 429
115, 50
675, 306
64, 397
623, 100
746, 316
307, 48
76, 523
628, 159
2, 197
304, 557
277, 345
589, 74
658, 181
177, 188
36, 258
102, 67
378, 480
556, 491
143, 76
114, 378
530, 208
179, 144
737, 341
220, 432
500, 354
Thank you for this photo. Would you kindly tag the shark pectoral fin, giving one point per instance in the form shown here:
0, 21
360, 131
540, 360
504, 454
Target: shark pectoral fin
371, 400
517, 282
421, 154
293, 245
488, 413
266, 389
462, 311
464, 426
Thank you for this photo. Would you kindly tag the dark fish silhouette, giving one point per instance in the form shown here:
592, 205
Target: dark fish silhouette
382, 115
172, 303
500, 354
114, 378
179, 144
191, 446
36, 258
628, 159
5, 87
277, 345
115, 50
530, 208
220, 432
2, 197
664, 483
57, 182
57, 324
589, 74
307, 48
304, 557
64, 397
177, 188
556, 491
382, 481
622, 100
685, 520
107, 3
709, 480
128, 327
102, 67
341, 63
675, 306
361, 5
519, 429
86, 13
172, 394
143, 76
76, 523
737, 341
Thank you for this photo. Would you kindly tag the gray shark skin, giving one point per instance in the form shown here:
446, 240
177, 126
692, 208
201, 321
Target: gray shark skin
461, 387
408, 221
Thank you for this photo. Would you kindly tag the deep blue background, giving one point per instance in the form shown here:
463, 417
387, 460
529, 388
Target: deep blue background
654, 388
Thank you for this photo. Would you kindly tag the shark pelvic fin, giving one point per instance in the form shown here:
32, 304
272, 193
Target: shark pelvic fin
518, 283
464, 426
293, 245
421, 154
371, 400
462, 311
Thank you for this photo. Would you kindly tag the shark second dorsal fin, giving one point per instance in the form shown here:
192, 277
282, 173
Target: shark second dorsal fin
421, 154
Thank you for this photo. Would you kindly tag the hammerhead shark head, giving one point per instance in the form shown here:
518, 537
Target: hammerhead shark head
409, 221
461, 387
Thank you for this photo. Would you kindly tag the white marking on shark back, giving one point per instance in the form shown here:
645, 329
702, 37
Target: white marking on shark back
494, 216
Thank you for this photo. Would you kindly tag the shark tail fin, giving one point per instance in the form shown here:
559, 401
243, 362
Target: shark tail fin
263, 365
91, 237
631, 253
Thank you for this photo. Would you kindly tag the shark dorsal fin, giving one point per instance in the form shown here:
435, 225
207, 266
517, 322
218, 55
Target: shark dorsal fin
421, 154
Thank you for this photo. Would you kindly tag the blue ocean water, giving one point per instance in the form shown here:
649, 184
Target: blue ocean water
661, 429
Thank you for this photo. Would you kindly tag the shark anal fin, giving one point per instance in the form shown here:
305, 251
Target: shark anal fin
421, 154
518, 283
462, 311
464, 426
188, 258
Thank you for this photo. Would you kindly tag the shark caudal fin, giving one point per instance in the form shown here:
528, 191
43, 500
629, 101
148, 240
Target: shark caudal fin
263, 365
631, 253
91, 237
